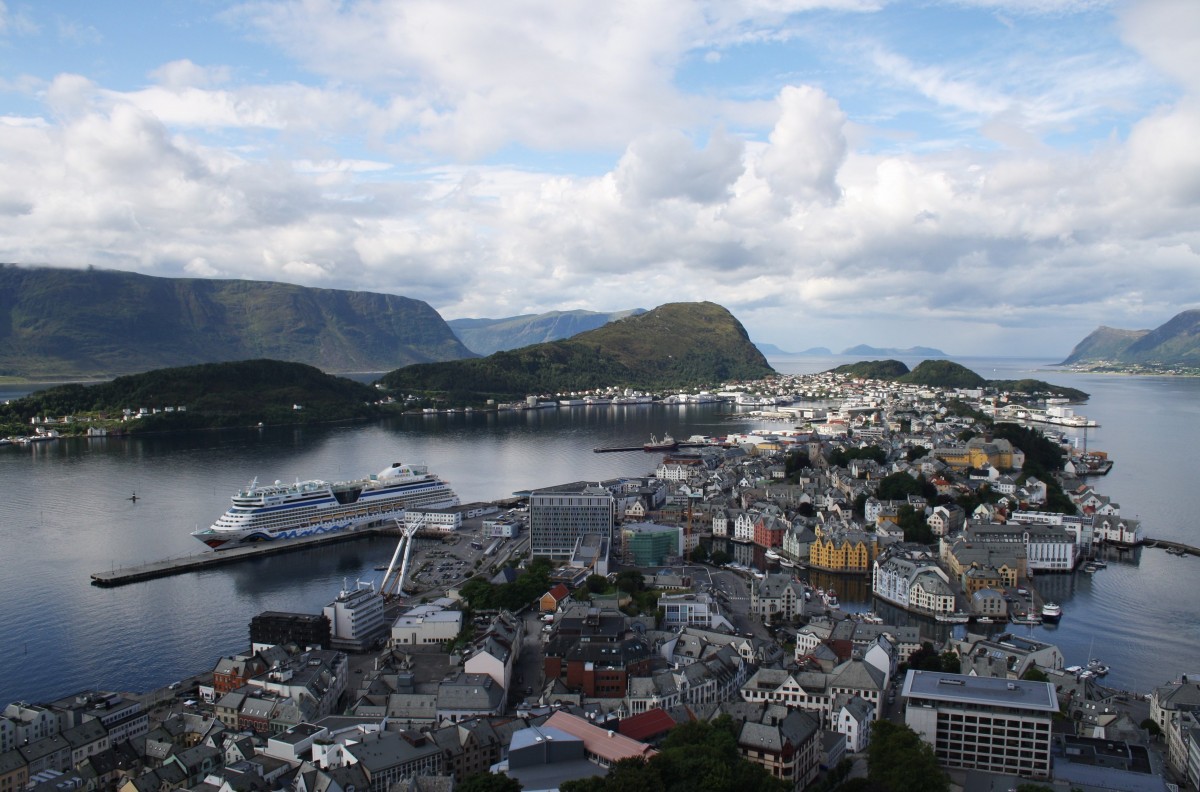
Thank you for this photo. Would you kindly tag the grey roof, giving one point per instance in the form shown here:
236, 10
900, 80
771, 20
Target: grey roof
987, 691
471, 692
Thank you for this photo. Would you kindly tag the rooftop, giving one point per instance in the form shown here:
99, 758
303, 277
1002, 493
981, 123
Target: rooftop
959, 688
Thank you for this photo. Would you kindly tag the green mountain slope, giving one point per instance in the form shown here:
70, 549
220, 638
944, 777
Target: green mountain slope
874, 369
947, 374
96, 323
213, 394
1103, 344
673, 345
1175, 342
485, 336
943, 374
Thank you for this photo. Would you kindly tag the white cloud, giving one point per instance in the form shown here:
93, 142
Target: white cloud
666, 165
774, 203
807, 146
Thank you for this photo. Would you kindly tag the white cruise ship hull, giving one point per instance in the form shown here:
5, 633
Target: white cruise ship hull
312, 508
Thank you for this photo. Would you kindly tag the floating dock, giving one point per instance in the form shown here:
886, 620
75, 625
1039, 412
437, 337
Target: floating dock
217, 558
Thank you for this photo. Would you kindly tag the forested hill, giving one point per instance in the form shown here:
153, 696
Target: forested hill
948, 374
100, 323
242, 393
674, 345
485, 336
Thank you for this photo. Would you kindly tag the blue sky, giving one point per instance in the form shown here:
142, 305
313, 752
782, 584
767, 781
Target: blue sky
983, 176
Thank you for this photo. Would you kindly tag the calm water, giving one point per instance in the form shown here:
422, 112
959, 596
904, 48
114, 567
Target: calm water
65, 513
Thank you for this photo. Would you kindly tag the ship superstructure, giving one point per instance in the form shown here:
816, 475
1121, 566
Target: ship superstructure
263, 513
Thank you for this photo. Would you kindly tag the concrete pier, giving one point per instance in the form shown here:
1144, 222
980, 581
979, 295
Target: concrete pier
215, 558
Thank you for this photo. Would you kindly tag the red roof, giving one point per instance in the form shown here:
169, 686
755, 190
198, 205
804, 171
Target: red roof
559, 592
648, 725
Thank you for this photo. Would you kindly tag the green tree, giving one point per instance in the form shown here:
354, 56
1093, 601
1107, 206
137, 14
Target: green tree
630, 581
720, 558
901, 762
1035, 674
916, 452
898, 486
597, 584
489, 782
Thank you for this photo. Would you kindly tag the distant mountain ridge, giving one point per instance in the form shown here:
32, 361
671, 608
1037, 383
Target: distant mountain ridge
863, 349
100, 323
674, 345
485, 336
1176, 342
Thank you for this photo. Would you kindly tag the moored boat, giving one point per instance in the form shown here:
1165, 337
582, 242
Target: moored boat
1051, 612
666, 443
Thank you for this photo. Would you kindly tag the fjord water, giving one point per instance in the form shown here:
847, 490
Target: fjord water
65, 513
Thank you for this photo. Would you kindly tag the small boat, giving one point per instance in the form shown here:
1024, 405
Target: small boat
952, 618
1028, 618
1096, 667
1051, 612
786, 562
771, 555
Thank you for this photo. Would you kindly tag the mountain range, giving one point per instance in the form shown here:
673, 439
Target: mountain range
1176, 342
102, 323
915, 351
485, 336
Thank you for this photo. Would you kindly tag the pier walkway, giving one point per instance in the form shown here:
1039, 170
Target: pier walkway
1175, 548
214, 558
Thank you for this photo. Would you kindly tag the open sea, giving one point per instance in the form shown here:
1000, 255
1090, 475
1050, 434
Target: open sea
65, 513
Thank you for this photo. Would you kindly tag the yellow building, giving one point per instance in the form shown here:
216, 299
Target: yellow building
978, 452
840, 550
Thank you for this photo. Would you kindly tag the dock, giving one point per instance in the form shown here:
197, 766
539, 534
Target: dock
614, 449
218, 558
1174, 548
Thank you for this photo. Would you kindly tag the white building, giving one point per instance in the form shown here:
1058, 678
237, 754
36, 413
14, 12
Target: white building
912, 582
982, 723
356, 617
692, 610
426, 624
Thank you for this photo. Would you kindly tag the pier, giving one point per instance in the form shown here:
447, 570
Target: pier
614, 449
217, 558
1174, 548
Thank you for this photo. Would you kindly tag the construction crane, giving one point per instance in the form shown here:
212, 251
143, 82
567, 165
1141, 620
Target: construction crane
394, 586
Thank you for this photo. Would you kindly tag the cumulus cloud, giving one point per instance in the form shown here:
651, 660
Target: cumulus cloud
807, 146
666, 165
416, 163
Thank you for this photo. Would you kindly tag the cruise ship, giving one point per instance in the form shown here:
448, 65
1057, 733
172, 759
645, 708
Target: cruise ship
263, 513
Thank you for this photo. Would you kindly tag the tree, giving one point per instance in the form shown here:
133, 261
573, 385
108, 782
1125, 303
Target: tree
720, 558
916, 452
898, 486
901, 762
700, 554
630, 581
1035, 674
489, 782
597, 584
914, 525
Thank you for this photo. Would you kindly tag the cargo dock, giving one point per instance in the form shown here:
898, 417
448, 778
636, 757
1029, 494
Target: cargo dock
216, 558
